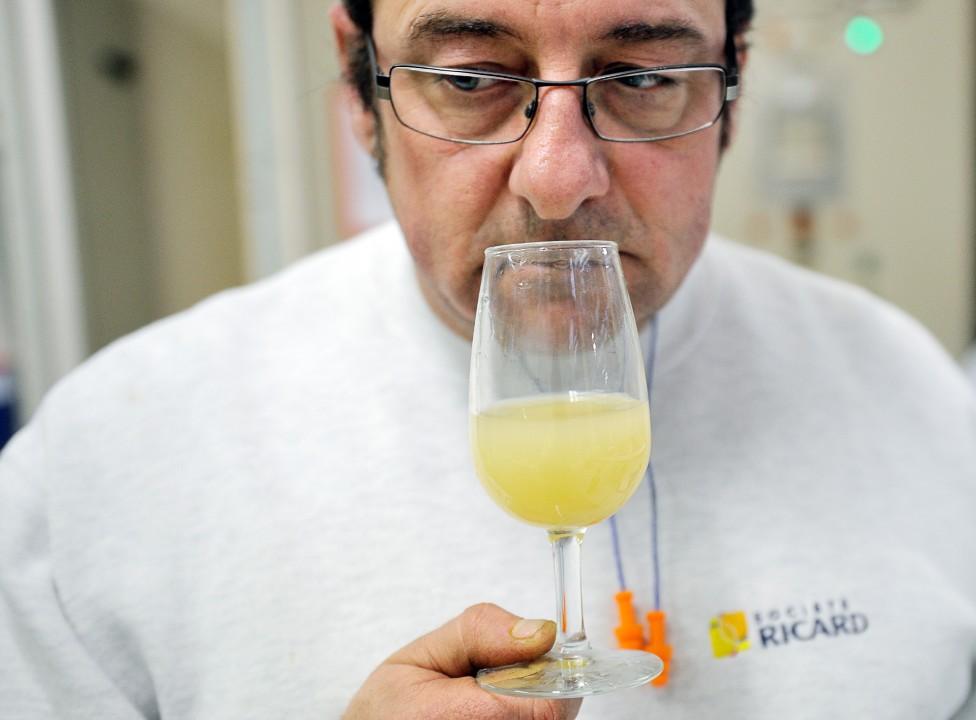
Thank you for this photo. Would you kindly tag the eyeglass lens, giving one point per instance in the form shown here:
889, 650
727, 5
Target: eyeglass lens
469, 107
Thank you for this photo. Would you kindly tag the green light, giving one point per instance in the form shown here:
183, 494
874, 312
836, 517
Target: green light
864, 36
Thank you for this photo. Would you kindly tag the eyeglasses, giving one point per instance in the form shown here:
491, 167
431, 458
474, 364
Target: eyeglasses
478, 107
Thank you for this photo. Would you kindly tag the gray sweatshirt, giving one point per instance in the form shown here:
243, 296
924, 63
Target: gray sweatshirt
239, 511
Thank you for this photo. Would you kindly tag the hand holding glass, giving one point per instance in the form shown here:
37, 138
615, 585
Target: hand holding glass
560, 431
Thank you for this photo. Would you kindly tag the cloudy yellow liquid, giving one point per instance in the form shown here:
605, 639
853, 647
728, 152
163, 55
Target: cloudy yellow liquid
562, 461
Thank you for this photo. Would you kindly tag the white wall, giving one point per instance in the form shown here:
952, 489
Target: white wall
190, 161
115, 236
153, 158
284, 74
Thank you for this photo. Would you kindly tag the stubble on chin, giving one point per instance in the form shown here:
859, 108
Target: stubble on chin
654, 262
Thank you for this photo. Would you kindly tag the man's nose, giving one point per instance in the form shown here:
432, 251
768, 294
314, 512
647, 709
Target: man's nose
560, 163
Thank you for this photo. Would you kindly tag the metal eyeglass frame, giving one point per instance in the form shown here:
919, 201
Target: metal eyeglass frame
381, 87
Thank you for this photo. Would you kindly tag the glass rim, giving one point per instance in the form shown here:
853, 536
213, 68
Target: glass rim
550, 245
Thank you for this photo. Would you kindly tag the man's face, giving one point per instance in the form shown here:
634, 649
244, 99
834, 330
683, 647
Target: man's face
560, 181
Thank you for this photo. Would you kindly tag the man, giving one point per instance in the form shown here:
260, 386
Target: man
243, 511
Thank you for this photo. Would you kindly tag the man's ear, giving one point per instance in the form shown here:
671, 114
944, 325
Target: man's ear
348, 38
732, 116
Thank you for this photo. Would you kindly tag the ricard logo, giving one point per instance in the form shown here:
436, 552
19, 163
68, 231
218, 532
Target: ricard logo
781, 627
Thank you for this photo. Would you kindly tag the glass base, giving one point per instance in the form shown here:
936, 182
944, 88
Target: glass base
590, 673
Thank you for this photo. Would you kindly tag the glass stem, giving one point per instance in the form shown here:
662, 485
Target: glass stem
566, 548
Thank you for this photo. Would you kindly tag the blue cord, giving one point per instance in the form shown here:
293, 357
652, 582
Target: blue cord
652, 487
616, 552
654, 555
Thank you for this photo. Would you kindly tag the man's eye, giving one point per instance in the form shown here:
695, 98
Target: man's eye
644, 82
469, 83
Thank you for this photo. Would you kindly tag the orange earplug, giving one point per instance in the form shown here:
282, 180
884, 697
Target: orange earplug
659, 644
630, 635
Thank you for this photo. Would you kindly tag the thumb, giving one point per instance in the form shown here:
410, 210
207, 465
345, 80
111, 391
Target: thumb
484, 635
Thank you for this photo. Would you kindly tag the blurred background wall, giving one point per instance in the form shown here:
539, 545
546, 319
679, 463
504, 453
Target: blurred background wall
149, 108
204, 146
862, 166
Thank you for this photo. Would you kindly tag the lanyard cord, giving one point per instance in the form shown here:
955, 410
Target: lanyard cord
651, 484
630, 634
652, 487
654, 554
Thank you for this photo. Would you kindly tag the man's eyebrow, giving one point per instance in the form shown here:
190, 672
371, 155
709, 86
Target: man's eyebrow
442, 24
637, 32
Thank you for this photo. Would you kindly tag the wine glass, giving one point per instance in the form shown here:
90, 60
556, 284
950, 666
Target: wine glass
560, 432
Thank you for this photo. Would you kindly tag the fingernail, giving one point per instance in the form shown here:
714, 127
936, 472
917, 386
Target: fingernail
525, 629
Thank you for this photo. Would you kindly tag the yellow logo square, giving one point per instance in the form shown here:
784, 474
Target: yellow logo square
729, 632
